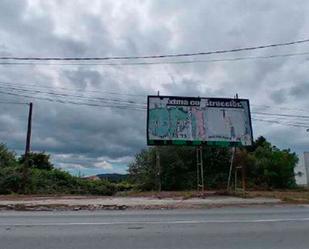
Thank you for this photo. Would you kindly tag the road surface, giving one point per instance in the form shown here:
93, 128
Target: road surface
256, 227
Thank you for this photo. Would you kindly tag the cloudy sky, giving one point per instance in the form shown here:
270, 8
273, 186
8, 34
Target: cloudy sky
73, 120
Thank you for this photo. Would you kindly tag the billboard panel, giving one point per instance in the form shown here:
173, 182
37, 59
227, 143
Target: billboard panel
193, 121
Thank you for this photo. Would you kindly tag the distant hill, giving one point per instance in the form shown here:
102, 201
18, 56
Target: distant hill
114, 177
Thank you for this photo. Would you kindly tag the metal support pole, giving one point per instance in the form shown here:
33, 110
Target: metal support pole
200, 168
243, 174
158, 166
235, 179
230, 171
197, 170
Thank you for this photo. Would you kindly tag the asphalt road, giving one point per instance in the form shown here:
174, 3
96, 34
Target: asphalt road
264, 227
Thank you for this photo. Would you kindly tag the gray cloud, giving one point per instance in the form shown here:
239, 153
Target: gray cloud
279, 96
300, 91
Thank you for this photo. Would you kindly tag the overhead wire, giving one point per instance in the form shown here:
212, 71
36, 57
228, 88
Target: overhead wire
282, 115
158, 62
128, 102
70, 101
280, 123
29, 86
13, 103
280, 108
71, 89
89, 98
281, 118
128, 107
122, 104
154, 56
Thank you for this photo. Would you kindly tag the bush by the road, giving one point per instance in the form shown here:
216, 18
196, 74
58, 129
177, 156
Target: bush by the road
43, 178
53, 181
266, 167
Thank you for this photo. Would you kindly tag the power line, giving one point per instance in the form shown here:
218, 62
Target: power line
13, 103
153, 56
282, 119
71, 89
36, 85
127, 102
72, 102
280, 123
293, 124
26, 87
281, 108
90, 98
110, 101
156, 62
281, 115
124, 102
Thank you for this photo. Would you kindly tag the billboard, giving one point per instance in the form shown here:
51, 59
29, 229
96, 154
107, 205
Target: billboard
196, 121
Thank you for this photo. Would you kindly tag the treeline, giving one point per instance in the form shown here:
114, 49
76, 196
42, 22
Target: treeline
43, 178
265, 165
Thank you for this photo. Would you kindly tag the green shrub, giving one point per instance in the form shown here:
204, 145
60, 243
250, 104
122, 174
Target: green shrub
38, 160
10, 180
53, 181
7, 158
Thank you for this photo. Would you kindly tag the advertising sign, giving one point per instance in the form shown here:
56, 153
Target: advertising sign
196, 121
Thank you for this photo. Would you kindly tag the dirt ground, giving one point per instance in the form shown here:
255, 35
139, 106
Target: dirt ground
153, 200
150, 200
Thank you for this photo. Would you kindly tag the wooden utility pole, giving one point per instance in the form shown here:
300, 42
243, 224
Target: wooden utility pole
27, 149
28, 140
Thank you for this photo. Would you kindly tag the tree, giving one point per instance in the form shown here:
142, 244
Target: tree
38, 160
274, 167
266, 167
260, 141
178, 168
7, 158
142, 169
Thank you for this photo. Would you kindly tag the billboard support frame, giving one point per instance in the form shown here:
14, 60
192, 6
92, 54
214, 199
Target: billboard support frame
231, 168
200, 168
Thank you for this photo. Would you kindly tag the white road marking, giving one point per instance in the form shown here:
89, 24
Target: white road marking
156, 222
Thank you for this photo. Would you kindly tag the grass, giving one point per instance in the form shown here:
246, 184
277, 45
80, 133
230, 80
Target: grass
297, 196
167, 194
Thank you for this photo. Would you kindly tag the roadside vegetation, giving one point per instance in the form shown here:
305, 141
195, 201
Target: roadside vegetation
266, 167
44, 178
